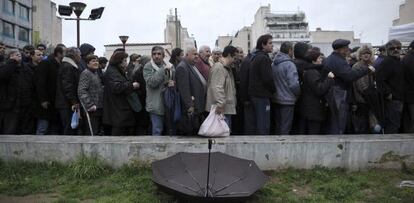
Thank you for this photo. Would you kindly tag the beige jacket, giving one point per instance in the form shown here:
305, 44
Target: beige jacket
221, 89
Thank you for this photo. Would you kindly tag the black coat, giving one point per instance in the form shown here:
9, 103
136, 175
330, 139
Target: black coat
390, 78
244, 78
261, 76
117, 112
408, 65
46, 73
16, 86
188, 85
67, 86
315, 86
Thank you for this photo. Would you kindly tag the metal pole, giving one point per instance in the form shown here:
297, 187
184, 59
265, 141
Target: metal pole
210, 142
123, 45
177, 33
78, 31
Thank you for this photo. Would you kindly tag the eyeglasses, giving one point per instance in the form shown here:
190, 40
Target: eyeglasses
394, 48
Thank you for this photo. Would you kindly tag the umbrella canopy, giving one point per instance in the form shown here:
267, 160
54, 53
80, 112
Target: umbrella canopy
230, 178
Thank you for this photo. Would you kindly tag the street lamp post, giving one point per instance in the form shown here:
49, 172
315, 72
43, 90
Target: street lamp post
77, 8
123, 39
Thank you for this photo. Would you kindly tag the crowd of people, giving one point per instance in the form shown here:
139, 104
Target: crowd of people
296, 90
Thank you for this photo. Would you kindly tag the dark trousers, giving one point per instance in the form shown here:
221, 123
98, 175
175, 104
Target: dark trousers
360, 119
8, 122
96, 123
122, 131
409, 118
262, 115
338, 114
283, 118
249, 119
66, 119
393, 113
312, 127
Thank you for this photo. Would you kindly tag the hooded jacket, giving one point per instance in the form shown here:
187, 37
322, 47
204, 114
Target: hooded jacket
286, 80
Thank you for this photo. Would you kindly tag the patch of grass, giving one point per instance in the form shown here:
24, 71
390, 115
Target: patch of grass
88, 179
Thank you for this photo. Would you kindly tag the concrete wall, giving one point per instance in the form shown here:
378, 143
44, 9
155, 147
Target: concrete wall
354, 152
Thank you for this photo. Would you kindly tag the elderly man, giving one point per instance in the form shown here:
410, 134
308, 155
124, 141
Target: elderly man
215, 56
67, 100
202, 63
344, 76
157, 75
192, 86
390, 81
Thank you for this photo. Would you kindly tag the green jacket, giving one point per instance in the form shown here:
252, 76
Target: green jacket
155, 80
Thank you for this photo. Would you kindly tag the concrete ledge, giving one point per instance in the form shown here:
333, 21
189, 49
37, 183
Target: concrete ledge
354, 152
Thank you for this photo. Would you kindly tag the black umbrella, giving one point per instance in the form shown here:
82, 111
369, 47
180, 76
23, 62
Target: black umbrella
208, 176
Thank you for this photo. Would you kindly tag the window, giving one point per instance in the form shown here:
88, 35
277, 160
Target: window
8, 29
23, 34
23, 12
8, 6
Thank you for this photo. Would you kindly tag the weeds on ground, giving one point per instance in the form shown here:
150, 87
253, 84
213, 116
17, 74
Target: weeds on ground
89, 178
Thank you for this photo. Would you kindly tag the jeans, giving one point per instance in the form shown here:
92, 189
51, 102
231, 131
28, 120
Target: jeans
262, 115
42, 126
157, 124
283, 118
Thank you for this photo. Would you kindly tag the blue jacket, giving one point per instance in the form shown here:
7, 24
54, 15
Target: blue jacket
285, 76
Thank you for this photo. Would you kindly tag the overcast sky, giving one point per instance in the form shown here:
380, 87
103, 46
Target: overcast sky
144, 20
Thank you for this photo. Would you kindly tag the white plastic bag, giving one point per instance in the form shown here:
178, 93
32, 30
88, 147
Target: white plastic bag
214, 125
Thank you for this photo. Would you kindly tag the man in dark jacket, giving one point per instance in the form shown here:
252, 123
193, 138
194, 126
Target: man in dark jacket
285, 76
408, 66
48, 121
16, 95
390, 81
67, 100
248, 110
192, 87
85, 50
261, 86
344, 76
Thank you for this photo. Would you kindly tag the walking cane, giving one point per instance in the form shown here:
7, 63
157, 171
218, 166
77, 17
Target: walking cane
88, 118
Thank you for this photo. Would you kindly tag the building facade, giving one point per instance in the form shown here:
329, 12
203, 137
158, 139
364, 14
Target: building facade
16, 22
406, 13
47, 27
324, 38
283, 26
170, 33
143, 49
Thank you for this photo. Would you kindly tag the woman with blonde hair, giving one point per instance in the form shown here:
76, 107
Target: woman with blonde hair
362, 115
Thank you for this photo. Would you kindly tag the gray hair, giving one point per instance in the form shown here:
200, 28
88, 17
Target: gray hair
203, 48
190, 49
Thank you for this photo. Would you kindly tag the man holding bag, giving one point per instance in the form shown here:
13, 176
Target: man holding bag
221, 90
